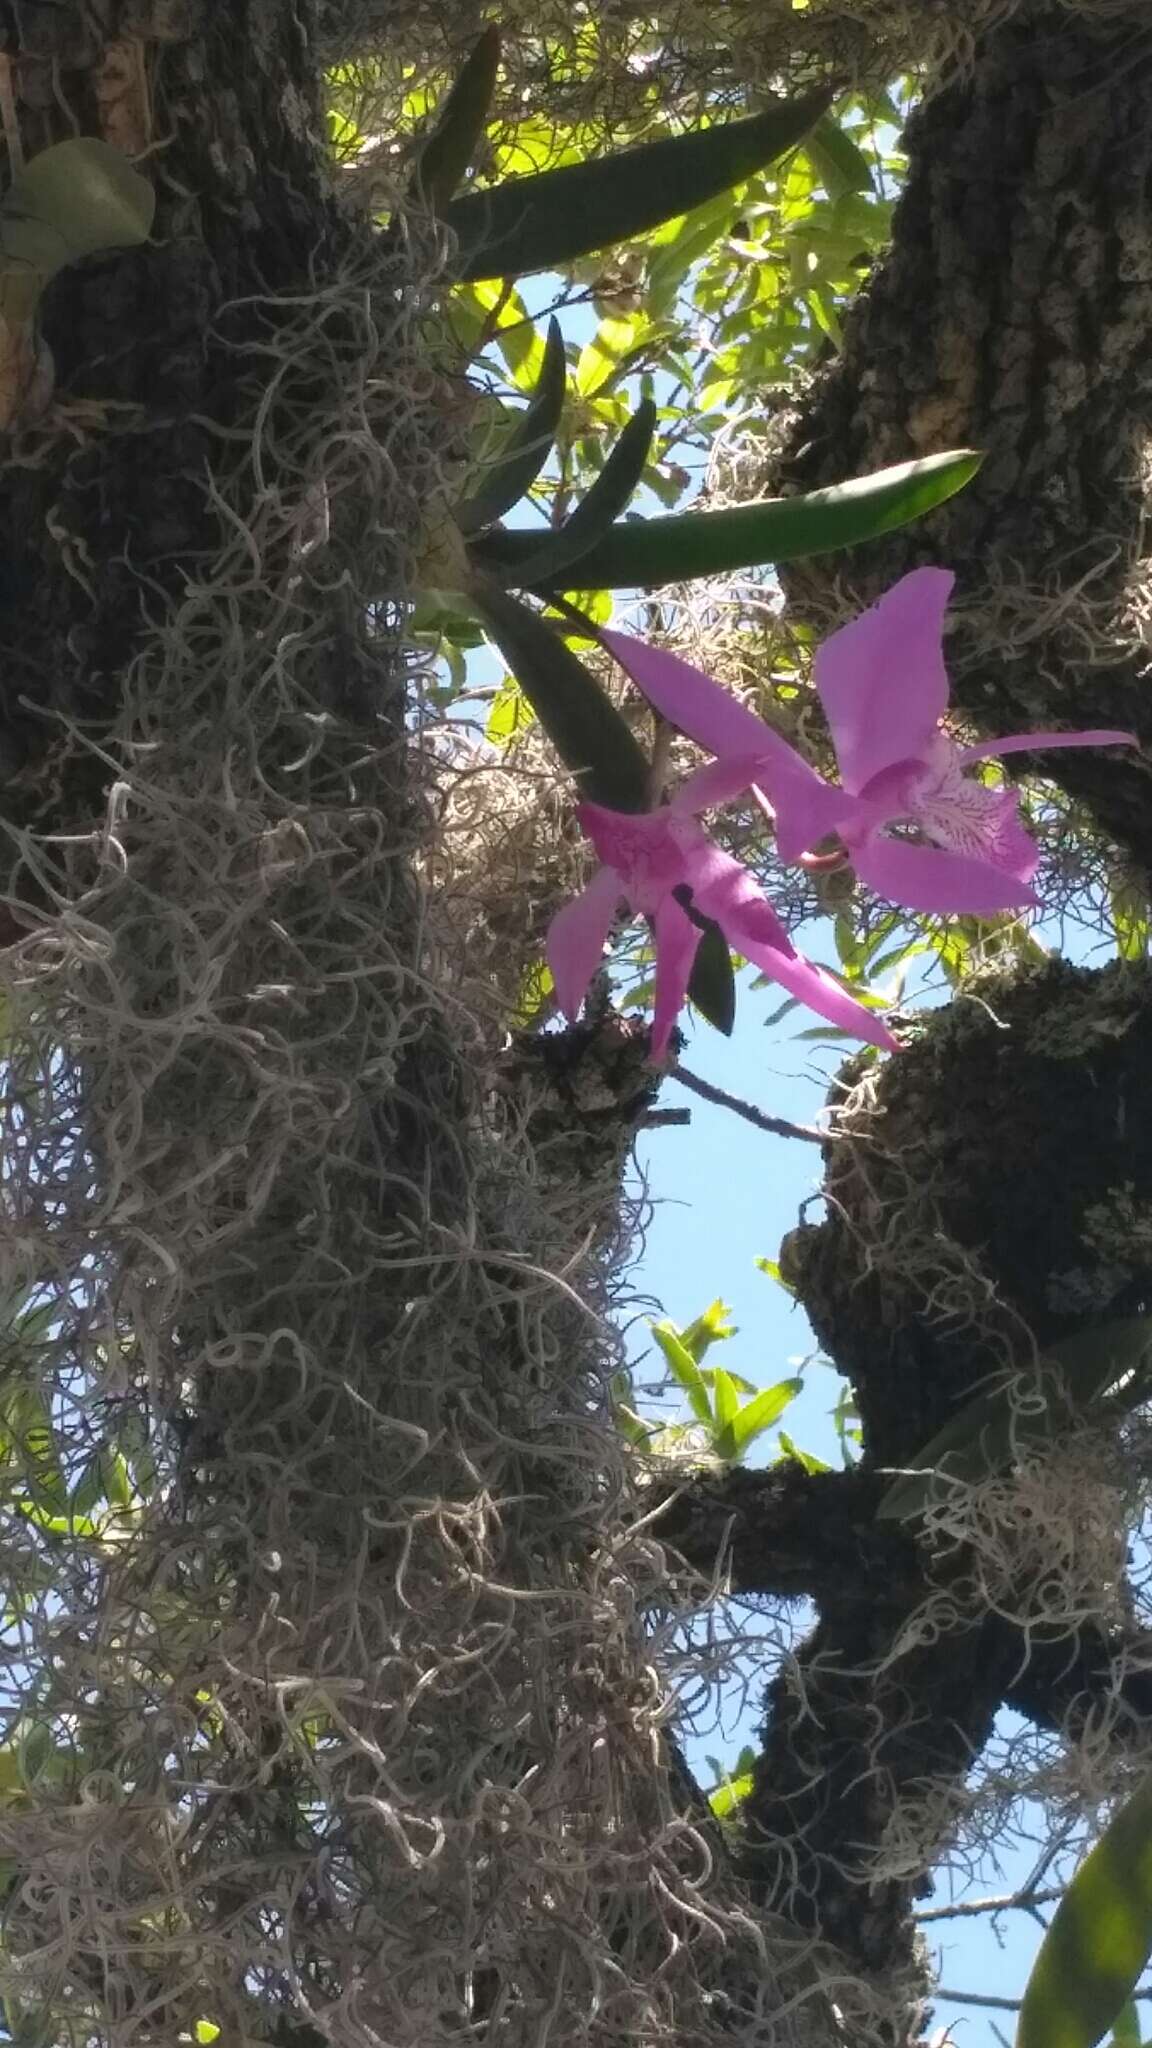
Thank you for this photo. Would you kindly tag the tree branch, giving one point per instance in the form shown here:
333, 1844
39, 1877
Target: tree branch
776, 1126
788, 1533
1007, 1902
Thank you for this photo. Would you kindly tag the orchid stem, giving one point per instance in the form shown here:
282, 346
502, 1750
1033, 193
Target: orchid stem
776, 1126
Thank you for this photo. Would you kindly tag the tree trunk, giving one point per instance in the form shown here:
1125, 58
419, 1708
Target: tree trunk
349, 1730
1012, 314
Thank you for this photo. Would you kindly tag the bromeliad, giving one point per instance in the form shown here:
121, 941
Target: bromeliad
663, 864
884, 688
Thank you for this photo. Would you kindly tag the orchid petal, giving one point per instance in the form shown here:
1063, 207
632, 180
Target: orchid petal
807, 809
929, 878
716, 783
724, 890
677, 940
691, 700
1036, 742
576, 938
803, 979
882, 680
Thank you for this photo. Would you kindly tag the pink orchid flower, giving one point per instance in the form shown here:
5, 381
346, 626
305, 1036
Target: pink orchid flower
883, 685
659, 862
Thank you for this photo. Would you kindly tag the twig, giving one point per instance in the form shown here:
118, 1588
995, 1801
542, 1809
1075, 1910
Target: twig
659, 1119
777, 1126
1008, 1902
978, 1998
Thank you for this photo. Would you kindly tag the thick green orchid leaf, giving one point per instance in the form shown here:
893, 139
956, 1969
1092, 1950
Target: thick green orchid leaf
991, 1431
602, 503
684, 1370
739, 1427
1126, 2029
643, 553
70, 201
460, 124
712, 984
543, 222
713, 1327
1100, 1939
581, 721
528, 447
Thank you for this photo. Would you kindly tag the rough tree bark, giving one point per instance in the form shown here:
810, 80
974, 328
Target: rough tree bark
1012, 314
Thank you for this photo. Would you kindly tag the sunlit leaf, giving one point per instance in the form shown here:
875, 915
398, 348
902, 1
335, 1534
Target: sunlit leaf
805, 1458
511, 713
543, 222
1130, 917
725, 1407
684, 1370
755, 1417
671, 263
840, 166
772, 1268
713, 1327
535, 990
727, 1796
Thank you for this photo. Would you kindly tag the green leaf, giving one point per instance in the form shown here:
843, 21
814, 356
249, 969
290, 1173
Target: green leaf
207, 2031
601, 504
713, 1327
543, 222
510, 714
712, 983
684, 1370
806, 1458
708, 1374
758, 1415
644, 553
772, 1268
725, 1402
729, 1794
991, 1431
1100, 1938
1126, 2029
616, 337
582, 723
535, 990
671, 263
838, 164
528, 447
1129, 905
460, 124
73, 200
